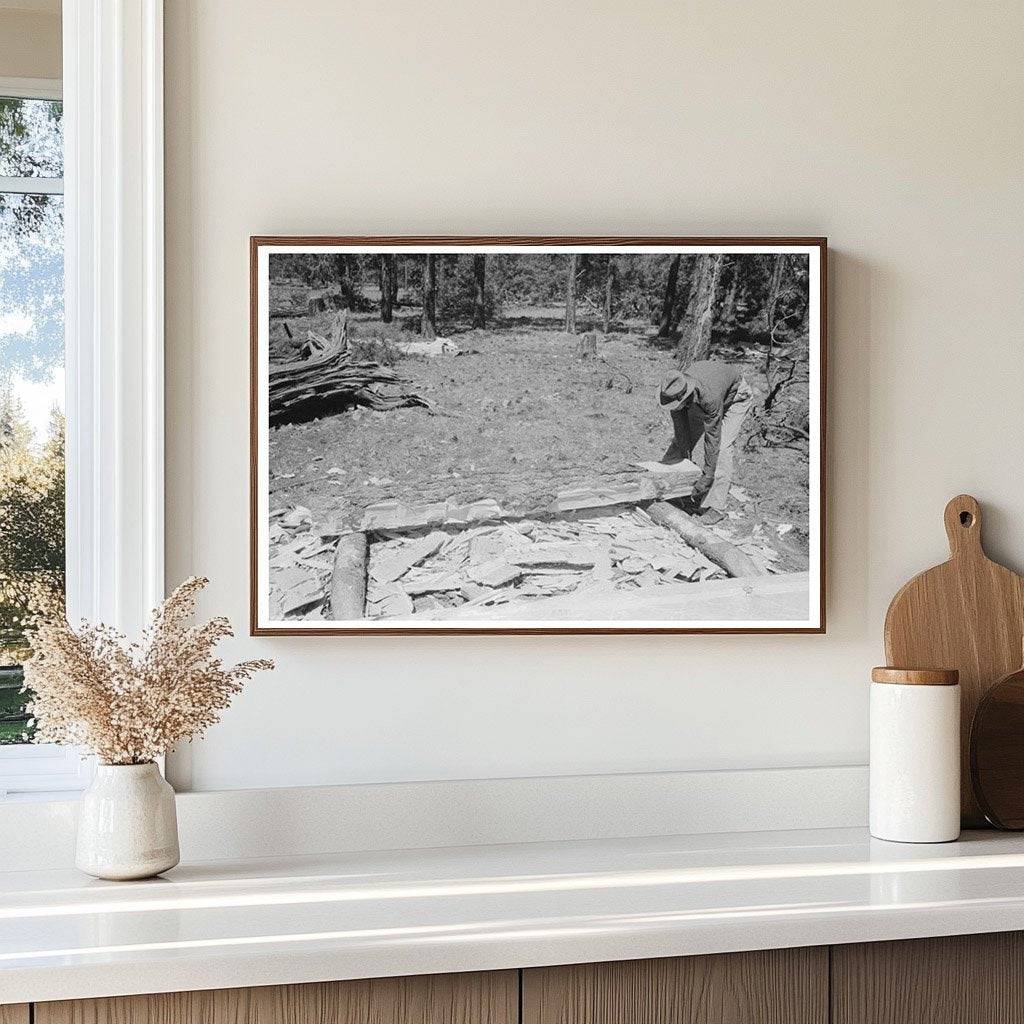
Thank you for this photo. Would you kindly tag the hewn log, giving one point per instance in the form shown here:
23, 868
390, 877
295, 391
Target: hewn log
348, 578
718, 550
671, 482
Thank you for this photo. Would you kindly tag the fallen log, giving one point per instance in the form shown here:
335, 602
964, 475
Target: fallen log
327, 377
715, 548
348, 578
430, 349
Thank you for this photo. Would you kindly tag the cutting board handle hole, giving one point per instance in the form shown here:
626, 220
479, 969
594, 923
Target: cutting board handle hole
962, 517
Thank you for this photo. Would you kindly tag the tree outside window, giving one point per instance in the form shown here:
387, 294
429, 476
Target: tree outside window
32, 555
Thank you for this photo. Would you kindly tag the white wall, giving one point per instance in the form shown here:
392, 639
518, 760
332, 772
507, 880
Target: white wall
895, 129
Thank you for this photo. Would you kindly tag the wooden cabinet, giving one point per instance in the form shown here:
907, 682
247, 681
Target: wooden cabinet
971, 979
778, 986
491, 998
963, 979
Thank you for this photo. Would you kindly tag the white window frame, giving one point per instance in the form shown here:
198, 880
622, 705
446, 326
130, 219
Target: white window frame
42, 767
114, 324
31, 89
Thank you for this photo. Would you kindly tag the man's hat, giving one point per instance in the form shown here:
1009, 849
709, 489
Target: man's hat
676, 388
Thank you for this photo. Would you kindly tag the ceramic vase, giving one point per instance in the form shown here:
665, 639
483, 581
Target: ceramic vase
127, 825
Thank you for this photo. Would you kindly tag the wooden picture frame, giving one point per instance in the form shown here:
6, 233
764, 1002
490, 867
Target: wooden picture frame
753, 592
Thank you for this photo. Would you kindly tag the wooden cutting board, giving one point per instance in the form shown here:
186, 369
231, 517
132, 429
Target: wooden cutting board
997, 752
967, 614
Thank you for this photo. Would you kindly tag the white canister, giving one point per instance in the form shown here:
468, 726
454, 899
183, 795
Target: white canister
915, 755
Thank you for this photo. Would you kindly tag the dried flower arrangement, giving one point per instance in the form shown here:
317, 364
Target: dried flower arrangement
129, 703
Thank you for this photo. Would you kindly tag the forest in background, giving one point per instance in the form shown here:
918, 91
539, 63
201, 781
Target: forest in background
754, 307
687, 299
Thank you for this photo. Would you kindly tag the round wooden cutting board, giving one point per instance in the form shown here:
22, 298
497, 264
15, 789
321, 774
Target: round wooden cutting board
997, 753
967, 614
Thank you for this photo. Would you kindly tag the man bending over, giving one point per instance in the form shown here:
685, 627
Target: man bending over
708, 404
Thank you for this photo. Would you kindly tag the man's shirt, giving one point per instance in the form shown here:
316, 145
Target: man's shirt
716, 386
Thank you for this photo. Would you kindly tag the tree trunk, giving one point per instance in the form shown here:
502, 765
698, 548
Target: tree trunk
695, 341
338, 270
428, 321
707, 317
691, 308
350, 285
439, 300
774, 289
479, 291
728, 318
609, 286
570, 295
388, 283
667, 323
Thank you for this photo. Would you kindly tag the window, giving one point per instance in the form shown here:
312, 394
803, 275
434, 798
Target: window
99, 199
32, 548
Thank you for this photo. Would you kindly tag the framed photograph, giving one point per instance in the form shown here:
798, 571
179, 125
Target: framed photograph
537, 435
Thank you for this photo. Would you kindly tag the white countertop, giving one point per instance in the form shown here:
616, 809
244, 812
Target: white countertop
262, 922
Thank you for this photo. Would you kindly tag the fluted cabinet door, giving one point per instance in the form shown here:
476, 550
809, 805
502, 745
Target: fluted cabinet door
14, 1013
490, 998
777, 986
961, 979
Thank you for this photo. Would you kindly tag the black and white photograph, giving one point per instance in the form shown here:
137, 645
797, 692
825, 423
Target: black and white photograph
557, 435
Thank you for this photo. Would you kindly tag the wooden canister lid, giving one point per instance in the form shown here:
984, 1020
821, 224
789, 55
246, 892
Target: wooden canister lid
916, 676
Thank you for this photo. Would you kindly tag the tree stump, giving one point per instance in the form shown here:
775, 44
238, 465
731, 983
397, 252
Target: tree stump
586, 345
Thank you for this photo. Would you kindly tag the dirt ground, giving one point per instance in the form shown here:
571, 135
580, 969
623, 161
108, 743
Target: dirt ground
516, 417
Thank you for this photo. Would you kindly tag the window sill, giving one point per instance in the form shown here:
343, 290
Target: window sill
42, 771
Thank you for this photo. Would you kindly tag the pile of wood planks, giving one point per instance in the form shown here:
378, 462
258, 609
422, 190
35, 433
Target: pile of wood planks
300, 564
328, 378
499, 563
393, 574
